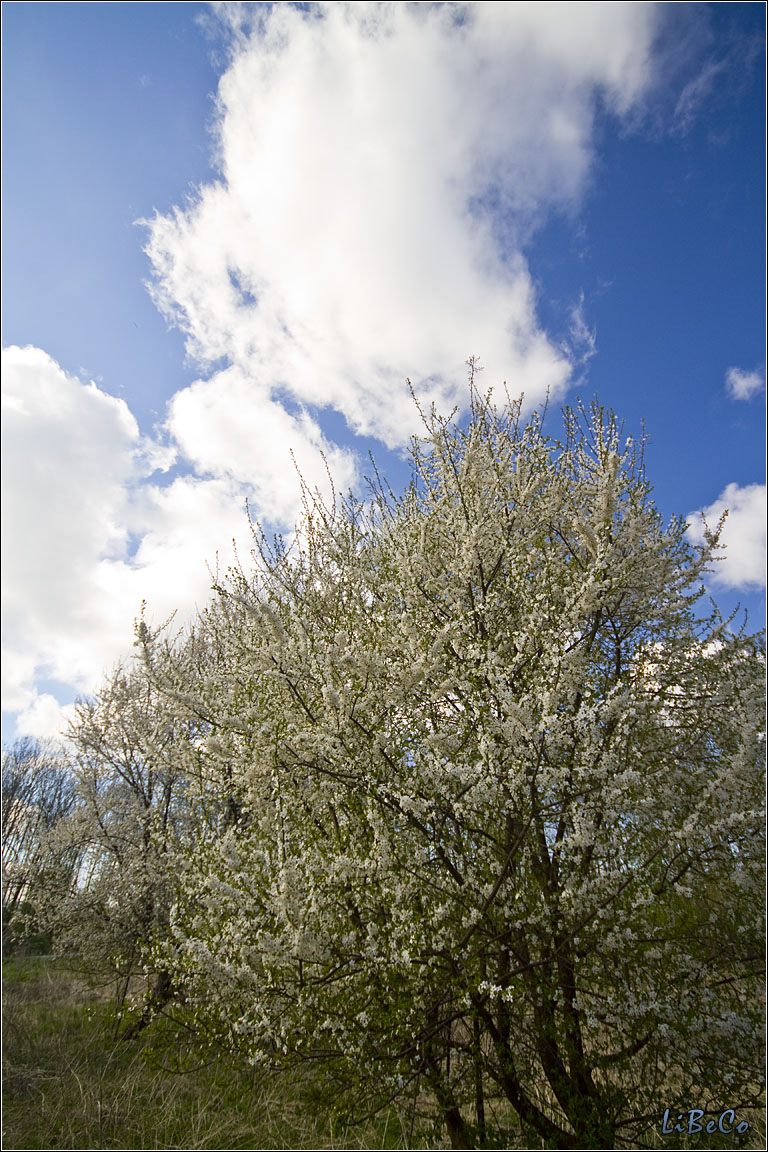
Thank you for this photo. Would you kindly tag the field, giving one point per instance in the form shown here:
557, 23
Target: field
72, 1080
69, 1082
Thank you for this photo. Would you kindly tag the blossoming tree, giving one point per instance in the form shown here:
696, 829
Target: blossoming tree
487, 793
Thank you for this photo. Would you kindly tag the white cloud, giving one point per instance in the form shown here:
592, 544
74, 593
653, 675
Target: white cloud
189, 531
87, 537
381, 166
743, 385
582, 338
742, 563
228, 427
45, 718
68, 452
381, 169
695, 93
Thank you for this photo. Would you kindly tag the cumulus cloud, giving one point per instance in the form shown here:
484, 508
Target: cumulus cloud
45, 718
228, 427
742, 563
87, 535
68, 452
381, 169
743, 385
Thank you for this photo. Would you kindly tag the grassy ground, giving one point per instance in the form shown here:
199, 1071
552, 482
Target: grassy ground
69, 1083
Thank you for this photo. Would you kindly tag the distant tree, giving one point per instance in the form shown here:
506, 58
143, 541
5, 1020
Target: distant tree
477, 796
127, 825
37, 793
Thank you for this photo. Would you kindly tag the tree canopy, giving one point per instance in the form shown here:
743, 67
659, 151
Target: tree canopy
460, 794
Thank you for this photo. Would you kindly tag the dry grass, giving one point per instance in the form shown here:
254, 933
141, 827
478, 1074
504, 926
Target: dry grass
69, 1083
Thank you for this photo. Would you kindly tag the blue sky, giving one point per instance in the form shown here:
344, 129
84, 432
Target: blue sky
230, 232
